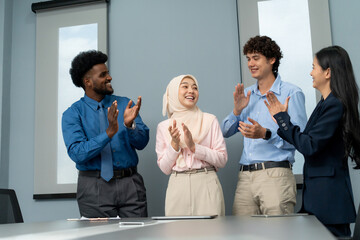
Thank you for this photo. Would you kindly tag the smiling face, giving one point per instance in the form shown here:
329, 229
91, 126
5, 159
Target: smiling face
321, 77
188, 93
260, 67
97, 82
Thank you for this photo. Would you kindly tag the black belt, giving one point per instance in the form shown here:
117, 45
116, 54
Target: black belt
121, 173
265, 165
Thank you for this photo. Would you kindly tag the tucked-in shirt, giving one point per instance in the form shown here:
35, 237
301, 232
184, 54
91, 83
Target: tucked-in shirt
274, 149
84, 140
211, 151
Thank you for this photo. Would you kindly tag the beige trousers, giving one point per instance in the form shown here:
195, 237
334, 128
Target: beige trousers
194, 194
269, 191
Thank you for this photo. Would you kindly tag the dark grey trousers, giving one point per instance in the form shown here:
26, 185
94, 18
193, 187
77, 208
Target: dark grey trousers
124, 197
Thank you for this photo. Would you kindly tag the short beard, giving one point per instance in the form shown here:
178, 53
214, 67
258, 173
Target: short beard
104, 92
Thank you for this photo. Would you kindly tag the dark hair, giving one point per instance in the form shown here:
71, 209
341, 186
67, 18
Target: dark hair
267, 47
82, 63
343, 86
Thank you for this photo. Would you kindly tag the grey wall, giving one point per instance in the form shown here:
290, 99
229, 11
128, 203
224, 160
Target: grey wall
343, 18
5, 79
149, 43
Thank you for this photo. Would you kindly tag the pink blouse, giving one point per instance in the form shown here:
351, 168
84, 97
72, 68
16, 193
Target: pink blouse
211, 151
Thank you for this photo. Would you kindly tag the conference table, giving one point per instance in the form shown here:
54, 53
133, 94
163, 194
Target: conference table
229, 227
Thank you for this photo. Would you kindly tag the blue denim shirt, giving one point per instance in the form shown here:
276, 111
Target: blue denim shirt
274, 149
84, 141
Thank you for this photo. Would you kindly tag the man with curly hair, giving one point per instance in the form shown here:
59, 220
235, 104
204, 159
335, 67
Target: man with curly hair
266, 184
102, 133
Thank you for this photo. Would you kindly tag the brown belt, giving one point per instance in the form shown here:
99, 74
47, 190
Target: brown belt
192, 171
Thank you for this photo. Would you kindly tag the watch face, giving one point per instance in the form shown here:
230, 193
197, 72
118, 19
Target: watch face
267, 134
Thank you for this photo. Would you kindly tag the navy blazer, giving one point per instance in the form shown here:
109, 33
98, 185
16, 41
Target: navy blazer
327, 191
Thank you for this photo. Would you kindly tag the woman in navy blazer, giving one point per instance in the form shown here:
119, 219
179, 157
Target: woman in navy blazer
330, 137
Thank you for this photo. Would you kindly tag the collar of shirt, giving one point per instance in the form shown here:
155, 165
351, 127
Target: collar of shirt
93, 104
275, 88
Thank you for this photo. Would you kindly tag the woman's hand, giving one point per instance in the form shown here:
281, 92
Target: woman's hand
175, 136
273, 104
188, 138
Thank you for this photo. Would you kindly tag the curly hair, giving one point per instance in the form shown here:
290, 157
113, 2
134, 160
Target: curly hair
267, 47
82, 63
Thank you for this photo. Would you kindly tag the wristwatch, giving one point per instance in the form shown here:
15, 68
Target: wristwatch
267, 134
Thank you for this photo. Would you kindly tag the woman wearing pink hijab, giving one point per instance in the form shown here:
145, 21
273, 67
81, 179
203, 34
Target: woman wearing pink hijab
190, 147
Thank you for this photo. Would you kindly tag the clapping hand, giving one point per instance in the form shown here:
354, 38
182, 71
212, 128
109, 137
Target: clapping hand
175, 136
112, 115
274, 105
254, 130
240, 100
188, 138
131, 113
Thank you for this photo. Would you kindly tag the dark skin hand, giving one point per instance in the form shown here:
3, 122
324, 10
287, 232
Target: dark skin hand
113, 113
131, 113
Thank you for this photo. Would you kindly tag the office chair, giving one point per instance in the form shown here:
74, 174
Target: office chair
9, 207
356, 235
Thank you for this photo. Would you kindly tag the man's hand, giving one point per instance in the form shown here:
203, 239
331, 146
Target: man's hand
175, 136
240, 100
112, 115
188, 138
254, 130
131, 113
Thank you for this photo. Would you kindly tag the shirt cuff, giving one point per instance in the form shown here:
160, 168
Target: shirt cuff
173, 150
133, 126
282, 119
232, 118
200, 152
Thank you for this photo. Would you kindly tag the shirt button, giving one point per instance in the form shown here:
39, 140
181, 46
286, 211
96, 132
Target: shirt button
284, 124
285, 128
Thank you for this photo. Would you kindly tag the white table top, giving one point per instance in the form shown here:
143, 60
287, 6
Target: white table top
230, 227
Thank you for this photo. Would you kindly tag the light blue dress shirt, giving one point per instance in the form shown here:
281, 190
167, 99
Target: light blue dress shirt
84, 140
274, 149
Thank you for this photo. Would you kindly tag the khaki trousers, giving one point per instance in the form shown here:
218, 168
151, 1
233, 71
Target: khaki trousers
269, 191
194, 194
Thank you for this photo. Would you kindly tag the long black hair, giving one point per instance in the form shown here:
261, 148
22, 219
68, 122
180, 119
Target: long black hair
343, 86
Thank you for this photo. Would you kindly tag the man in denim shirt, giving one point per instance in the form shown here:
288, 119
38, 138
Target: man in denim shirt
266, 184
102, 133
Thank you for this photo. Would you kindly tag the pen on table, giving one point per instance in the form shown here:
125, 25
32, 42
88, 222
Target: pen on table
88, 219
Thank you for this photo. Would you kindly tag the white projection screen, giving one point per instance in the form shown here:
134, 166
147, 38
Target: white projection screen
61, 34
